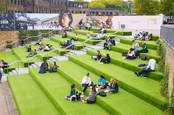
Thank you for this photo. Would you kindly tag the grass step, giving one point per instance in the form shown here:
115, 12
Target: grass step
83, 38
29, 98
56, 88
151, 44
10, 58
117, 59
147, 89
120, 47
42, 56
123, 102
78, 45
56, 45
107, 30
22, 55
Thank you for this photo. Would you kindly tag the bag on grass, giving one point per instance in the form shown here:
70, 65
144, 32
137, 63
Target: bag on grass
124, 54
144, 58
102, 93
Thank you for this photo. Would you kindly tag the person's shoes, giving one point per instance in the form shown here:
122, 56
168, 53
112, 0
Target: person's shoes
136, 74
144, 76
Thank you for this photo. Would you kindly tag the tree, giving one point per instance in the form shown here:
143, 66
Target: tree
146, 7
97, 4
167, 7
4, 5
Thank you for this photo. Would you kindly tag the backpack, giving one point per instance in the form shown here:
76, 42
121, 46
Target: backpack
124, 54
144, 58
102, 93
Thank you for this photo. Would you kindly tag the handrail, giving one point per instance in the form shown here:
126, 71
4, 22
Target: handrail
30, 58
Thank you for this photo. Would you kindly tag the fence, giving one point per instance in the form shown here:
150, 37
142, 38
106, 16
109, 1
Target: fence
167, 34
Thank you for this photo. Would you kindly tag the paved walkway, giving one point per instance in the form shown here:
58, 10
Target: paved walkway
7, 104
170, 62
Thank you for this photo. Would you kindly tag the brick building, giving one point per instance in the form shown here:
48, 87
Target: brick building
38, 6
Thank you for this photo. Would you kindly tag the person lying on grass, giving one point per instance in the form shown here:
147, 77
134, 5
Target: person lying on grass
98, 56
101, 82
40, 48
92, 96
150, 67
112, 86
86, 82
54, 67
44, 67
32, 54
131, 54
47, 47
75, 38
39, 42
105, 59
98, 37
74, 95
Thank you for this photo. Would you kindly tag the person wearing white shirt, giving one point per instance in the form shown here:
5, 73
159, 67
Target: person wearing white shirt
86, 82
150, 67
46, 48
1, 73
135, 45
131, 54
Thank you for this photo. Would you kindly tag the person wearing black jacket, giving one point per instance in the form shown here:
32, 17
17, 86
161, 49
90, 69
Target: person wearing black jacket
105, 60
113, 86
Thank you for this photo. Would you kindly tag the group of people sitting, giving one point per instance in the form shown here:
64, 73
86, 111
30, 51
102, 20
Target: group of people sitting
111, 87
99, 57
109, 42
67, 45
143, 36
3, 65
134, 51
45, 67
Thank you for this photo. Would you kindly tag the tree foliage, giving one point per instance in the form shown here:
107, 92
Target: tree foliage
4, 5
167, 7
146, 7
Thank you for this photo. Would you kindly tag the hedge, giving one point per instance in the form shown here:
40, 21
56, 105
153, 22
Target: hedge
172, 101
124, 33
162, 52
164, 83
34, 33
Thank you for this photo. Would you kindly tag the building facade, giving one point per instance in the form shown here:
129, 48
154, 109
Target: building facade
38, 6
58, 6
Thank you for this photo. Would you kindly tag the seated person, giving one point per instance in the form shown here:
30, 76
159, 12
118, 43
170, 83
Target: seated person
143, 50
88, 35
29, 48
135, 45
131, 54
75, 38
74, 95
98, 57
151, 67
107, 44
39, 42
86, 82
64, 45
32, 54
47, 48
113, 86
101, 30
70, 45
99, 37
40, 47
101, 84
87, 26
105, 60
54, 68
112, 41
64, 35
92, 96
43, 67
4, 64
1, 73
151, 37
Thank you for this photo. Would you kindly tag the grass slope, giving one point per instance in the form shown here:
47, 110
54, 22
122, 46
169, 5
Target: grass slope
147, 89
29, 98
117, 59
133, 105
56, 88
22, 55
